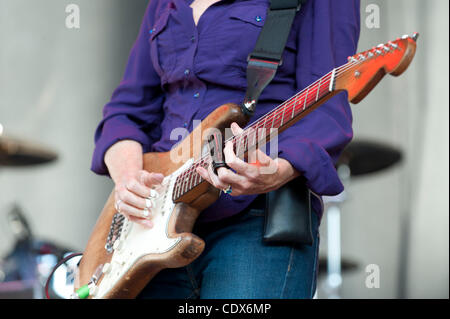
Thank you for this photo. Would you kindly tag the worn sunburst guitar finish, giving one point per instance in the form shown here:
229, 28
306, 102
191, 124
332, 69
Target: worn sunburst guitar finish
124, 256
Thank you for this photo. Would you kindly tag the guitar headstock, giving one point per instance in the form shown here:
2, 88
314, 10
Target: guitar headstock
364, 70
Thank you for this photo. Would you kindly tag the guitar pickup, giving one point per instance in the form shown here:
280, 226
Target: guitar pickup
215, 143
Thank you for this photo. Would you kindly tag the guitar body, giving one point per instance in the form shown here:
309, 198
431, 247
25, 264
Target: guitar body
170, 243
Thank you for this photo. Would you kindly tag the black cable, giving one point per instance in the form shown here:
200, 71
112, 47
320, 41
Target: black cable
62, 261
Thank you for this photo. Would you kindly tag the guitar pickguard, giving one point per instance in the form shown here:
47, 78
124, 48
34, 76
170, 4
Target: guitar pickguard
137, 241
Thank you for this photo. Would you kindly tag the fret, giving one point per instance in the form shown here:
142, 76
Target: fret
191, 179
264, 126
331, 88
282, 115
184, 188
306, 98
196, 181
318, 90
295, 105
244, 144
276, 117
177, 188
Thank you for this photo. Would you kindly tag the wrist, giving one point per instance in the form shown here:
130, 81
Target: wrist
286, 172
123, 160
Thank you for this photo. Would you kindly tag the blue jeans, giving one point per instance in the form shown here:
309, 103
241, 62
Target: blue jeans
236, 264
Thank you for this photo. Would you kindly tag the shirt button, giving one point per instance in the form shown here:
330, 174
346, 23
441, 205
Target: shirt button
151, 31
193, 39
186, 72
258, 18
196, 95
185, 124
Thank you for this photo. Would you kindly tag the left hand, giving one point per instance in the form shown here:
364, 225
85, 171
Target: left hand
260, 176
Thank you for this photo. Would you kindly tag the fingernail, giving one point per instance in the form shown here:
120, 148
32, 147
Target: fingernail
158, 176
147, 223
145, 213
153, 193
148, 203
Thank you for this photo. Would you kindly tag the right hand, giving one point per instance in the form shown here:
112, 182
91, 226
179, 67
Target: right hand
131, 195
124, 160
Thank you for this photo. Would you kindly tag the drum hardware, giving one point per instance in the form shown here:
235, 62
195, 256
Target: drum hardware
359, 158
24, 270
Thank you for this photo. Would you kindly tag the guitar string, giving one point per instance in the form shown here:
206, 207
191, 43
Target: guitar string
338, 72
189, 173
290, 105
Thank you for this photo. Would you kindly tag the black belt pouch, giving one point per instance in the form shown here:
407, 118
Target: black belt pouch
288, 215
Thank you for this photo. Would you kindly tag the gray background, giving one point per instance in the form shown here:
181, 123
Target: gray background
54, 82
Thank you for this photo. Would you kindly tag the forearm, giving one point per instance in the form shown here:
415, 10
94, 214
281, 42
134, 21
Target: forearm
123, 159
286, 172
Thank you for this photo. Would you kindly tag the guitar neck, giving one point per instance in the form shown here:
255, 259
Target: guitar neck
262, 130
285, 115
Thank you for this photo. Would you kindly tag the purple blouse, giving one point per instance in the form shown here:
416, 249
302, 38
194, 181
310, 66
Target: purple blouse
178, 72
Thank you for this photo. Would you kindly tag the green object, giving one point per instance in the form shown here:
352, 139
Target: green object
83, 292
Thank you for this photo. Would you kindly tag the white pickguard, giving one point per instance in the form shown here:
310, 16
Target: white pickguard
137, 241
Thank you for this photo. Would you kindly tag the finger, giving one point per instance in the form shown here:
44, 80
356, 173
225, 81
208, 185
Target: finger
262, 158
144, 222
132, 199
238, 164
150, 179
211, 178
236, 129
133, 211
266, 164
227, 177
138, 189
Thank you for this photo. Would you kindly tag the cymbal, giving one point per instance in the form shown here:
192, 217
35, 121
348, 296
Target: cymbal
365, 157
15, 152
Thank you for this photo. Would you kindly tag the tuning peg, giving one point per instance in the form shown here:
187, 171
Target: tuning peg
393, 45
415, 36
385, 48
361, 57
405, 36
370, 54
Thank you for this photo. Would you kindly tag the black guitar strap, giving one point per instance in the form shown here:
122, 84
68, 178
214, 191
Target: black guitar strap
287, 209
263, 62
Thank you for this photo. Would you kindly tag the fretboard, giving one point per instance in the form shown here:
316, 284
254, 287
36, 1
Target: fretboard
263, 129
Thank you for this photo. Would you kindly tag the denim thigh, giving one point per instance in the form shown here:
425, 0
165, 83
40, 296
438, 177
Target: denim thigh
236, 264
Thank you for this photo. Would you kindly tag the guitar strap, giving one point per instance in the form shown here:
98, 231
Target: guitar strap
287, 209
263, 62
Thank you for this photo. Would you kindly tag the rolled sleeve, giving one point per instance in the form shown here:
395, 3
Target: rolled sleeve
314, 144
135, 109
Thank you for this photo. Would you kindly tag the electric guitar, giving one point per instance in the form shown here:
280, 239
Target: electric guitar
121, 257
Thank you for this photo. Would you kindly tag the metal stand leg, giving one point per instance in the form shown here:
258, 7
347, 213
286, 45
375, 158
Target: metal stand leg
334, 276
334, 258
